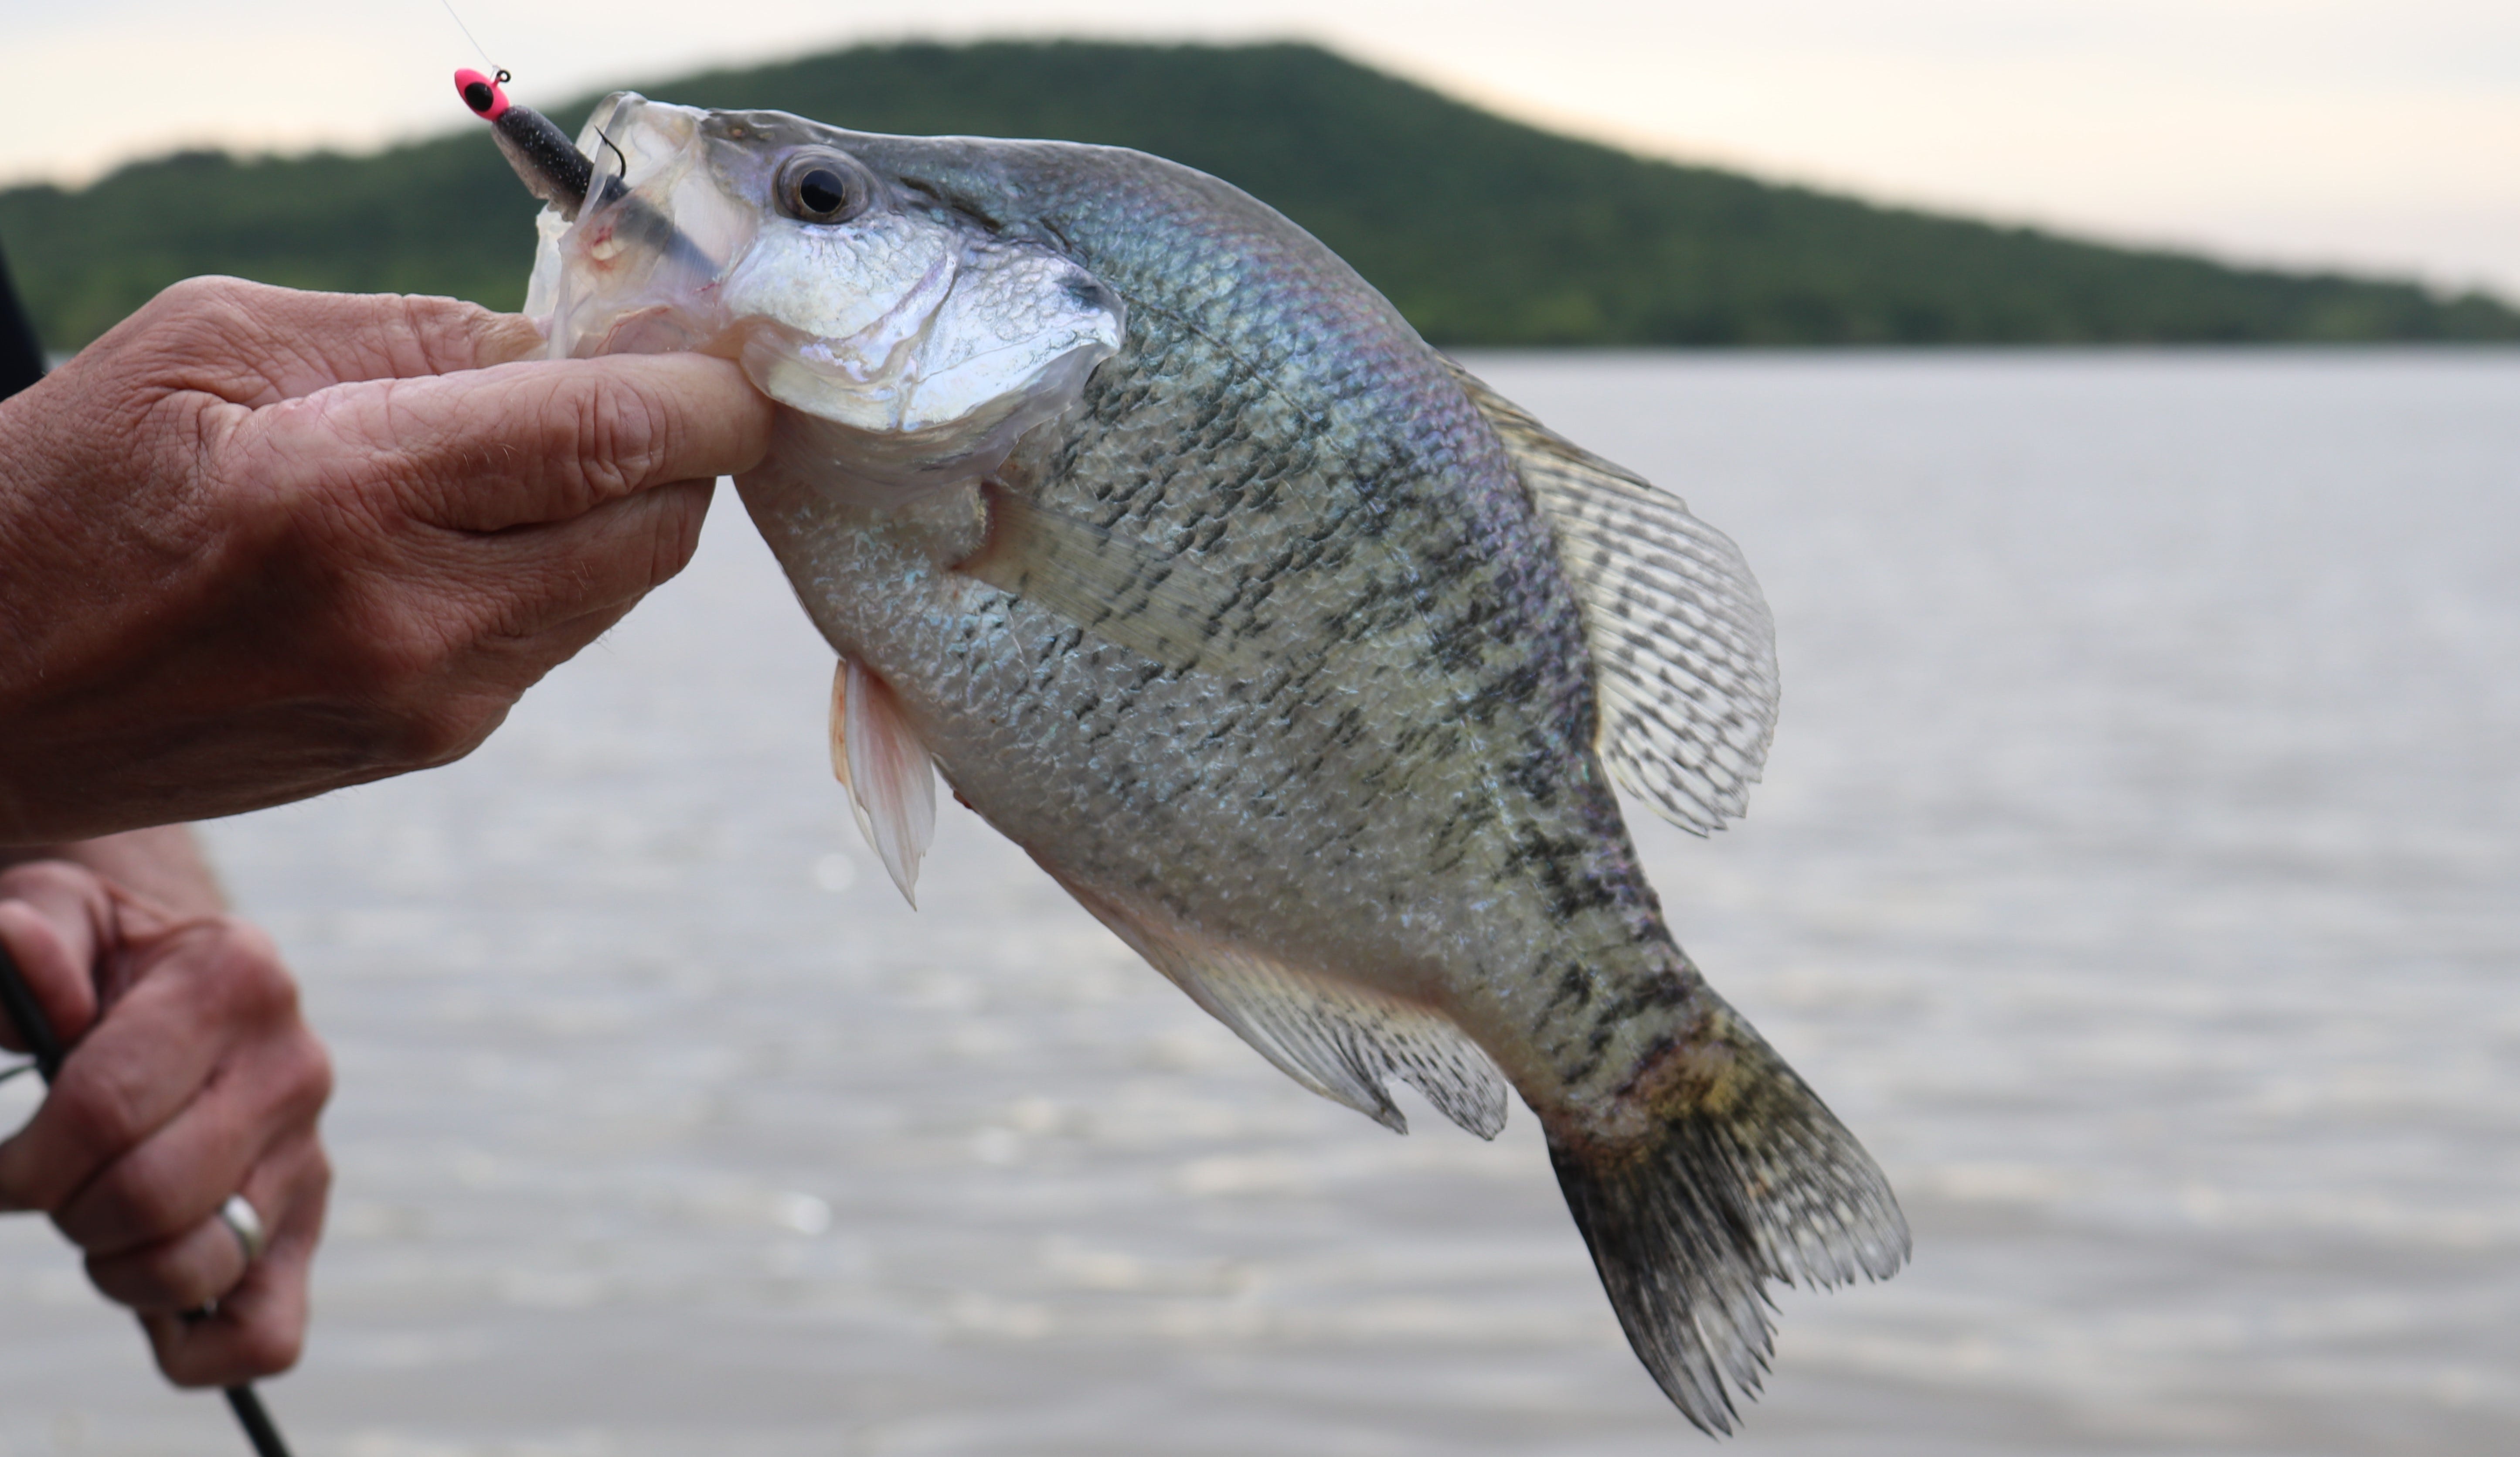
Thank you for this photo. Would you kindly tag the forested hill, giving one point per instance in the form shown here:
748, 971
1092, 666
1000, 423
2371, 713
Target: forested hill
1484, 231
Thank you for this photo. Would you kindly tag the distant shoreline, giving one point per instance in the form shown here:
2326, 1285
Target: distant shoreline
1484, 232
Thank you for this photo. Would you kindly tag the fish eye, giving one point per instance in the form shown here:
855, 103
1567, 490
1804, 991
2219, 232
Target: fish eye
821, 187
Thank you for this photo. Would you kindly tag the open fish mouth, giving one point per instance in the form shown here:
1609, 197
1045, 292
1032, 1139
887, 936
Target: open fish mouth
923, 343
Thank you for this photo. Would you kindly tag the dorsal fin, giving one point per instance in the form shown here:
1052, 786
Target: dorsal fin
1342, 1041
1684, 651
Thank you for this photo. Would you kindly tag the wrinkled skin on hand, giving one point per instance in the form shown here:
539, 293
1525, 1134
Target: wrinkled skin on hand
192, 1077
256, 544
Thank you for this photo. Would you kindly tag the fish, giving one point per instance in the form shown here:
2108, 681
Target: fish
1304, 660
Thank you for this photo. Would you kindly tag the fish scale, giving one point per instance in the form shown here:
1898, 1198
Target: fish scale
1154, 504
1299, 658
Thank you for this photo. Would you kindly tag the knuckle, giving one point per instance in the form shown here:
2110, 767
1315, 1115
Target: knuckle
225, 982
310, 1187
397, 651
388, 684
314, 1081
207, 291
444, 327
678, 535
101, 1107
441, 733
184, 1368
187, 292
138, 1202
245, 964
187, 1358
303, 1080
158, 1278
269, 1346
211, 307
455, 333
619, 437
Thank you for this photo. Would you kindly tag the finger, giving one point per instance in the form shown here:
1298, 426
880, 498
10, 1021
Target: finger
272, 1089
53, 917
484, 616
536, 597
139, 1068
525, 443
207, 1260
514, 665
252, 345
544, 576
260, 1324
158, 876
184, 1273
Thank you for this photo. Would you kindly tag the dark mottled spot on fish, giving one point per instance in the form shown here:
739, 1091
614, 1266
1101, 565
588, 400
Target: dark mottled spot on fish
1574, 988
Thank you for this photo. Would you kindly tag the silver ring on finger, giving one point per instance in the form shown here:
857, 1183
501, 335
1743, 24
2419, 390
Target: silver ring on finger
239, 1215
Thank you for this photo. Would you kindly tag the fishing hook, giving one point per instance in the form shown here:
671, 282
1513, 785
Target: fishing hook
617, 152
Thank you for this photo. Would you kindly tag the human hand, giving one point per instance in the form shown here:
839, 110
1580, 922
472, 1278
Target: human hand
256, 544
191, 1078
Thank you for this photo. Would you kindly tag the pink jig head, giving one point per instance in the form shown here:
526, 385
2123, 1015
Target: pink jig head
545, 161
482, 93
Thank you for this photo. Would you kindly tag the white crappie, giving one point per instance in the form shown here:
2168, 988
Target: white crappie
1299, 656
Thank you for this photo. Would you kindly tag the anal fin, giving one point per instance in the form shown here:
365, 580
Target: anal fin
892, 782
1342, 1041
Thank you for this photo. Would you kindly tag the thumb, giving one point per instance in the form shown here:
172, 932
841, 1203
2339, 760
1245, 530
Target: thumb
56, 921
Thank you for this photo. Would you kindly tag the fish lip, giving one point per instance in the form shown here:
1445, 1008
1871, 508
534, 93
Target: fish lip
644, 151
905, 417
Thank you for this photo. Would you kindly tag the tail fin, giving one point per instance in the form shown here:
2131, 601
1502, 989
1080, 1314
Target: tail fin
1743, 1178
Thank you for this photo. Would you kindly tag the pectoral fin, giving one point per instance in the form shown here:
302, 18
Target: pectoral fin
1166, 605
892, 784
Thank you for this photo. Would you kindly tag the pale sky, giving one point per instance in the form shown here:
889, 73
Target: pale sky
2378, 134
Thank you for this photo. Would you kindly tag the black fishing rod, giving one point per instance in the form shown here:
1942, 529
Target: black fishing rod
17, 999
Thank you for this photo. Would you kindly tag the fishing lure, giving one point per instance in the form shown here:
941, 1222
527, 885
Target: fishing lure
541, 153
550, 165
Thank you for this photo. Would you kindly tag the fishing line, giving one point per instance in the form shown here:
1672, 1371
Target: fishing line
17, 999
469, 35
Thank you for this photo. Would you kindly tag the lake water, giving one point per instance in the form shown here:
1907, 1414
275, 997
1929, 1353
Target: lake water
2138, 873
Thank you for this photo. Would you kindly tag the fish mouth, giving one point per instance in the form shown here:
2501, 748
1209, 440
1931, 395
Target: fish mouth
923, 343
640, 268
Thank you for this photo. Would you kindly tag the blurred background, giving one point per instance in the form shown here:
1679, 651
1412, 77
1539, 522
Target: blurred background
2121, 405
